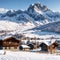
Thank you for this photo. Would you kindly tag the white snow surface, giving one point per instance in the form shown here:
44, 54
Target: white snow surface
25, 46
2, 10
12, 26
37, 10
20, 55
1, 52
6, 25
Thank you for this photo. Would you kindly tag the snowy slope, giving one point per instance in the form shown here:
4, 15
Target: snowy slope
28, 56
52, 27
7, 25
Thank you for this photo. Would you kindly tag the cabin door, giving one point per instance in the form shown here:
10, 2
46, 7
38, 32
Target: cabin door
44, 47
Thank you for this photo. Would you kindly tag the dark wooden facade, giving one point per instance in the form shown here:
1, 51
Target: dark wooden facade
1, 44
44, 47
51, 48
10, 42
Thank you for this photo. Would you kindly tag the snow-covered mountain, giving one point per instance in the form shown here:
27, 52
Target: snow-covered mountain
42, 14
2, 10
20, 21
37, 14
51, 27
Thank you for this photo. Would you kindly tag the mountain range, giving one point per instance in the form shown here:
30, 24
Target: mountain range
37, 16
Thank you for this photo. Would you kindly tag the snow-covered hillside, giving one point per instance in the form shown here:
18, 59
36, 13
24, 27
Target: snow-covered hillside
28, 56
52, 27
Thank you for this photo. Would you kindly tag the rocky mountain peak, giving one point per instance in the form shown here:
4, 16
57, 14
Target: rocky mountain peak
38, 6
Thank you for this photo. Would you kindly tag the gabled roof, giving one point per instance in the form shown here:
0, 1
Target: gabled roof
25, 46
48, 42
10, 38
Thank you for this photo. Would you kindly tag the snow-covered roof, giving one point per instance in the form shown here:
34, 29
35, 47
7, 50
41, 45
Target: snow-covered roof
7, 37
25, 46
49, 42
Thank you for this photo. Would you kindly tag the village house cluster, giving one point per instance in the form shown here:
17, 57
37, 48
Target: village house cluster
30, 44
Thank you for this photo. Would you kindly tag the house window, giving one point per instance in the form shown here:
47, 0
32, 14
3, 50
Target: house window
15, 47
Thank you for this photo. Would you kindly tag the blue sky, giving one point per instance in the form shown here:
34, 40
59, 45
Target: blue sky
23, 4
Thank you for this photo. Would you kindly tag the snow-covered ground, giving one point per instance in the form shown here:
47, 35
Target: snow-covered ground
19, 55
7, 25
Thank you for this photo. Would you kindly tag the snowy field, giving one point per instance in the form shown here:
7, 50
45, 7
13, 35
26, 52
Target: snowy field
19, 55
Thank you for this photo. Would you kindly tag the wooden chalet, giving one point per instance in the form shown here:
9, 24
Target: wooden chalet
11, 43
51, 48
44, 47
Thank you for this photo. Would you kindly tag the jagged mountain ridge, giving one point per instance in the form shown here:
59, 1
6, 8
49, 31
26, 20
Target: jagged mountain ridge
37, 13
